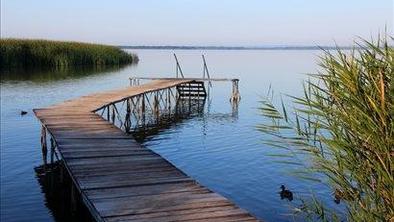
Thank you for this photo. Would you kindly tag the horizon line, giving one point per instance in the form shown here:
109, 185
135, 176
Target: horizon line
273, 47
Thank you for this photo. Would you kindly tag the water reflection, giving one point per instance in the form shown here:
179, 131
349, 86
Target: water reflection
183, 111
166, 124
52, 74
56, 185
157, 115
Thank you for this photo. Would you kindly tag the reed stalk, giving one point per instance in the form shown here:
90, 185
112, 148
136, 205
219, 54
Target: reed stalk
342, 129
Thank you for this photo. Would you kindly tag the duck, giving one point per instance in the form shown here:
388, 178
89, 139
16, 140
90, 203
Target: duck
23, 113
338, 195
285, 194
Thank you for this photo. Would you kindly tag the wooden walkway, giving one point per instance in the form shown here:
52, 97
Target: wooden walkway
117, 178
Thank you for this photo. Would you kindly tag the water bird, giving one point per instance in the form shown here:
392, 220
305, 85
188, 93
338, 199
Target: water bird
23, 113
338, 195
285, 194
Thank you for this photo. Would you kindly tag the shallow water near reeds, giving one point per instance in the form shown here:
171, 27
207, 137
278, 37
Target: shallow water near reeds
219, 147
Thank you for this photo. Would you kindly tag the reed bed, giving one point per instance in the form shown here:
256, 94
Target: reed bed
22, 53
341, 133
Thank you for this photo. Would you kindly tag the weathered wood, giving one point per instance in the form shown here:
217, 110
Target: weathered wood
117, 178
193, 79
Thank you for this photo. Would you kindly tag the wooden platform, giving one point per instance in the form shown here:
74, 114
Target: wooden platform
117, 178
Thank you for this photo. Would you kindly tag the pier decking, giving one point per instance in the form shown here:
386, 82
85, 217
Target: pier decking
117, 178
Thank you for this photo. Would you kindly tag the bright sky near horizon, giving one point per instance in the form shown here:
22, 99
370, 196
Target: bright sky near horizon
198, 22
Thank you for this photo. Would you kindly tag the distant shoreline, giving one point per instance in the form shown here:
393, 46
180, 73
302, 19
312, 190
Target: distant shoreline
169, 47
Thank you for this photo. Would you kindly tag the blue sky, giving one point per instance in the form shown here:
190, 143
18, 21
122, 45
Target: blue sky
198, 22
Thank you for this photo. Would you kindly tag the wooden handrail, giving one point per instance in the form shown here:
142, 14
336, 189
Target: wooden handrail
178, 67
205, 70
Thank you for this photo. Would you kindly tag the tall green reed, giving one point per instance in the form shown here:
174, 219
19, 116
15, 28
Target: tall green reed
343, 124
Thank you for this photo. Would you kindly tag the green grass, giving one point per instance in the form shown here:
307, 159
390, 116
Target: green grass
344, 126
21, 53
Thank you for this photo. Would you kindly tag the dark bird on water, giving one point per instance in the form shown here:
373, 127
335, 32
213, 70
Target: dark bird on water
23, 113
338, 195
285, 194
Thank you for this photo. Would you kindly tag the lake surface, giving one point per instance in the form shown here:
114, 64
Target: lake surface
220, 148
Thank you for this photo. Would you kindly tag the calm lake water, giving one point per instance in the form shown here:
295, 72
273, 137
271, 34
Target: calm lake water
221, 148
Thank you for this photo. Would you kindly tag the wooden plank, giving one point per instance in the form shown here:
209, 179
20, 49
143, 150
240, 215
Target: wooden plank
194, 79
149, 171
102, 169
99, 153
131, 182
95, 141
223, 213
146, 190
117, 160
103, 147
163, 204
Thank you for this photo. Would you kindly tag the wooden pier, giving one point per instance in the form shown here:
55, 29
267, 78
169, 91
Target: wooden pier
117, 178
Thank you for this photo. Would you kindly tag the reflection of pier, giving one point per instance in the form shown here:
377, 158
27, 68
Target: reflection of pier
57, 187
114, 176
183, 111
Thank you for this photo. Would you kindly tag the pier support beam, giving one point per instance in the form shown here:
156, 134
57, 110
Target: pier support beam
235, 96
52, 150
113, 113
73, 199
44, 144
156, 105
127, 123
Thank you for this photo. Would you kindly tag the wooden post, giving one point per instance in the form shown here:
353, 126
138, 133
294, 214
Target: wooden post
61, 172
128, 115
190, 92
107, 107
235, 96
169, 100
73, 198
113, 113
205, 70
178, 67
143, 109
156, 105
44, 144
52, 150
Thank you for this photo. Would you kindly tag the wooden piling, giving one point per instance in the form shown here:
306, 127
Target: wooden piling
52, 150
44, 148
235, 95
113, 113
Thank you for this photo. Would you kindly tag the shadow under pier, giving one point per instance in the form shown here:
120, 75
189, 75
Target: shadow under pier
59, 193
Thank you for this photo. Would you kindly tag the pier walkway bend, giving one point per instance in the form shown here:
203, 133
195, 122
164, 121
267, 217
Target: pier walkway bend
117, 178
